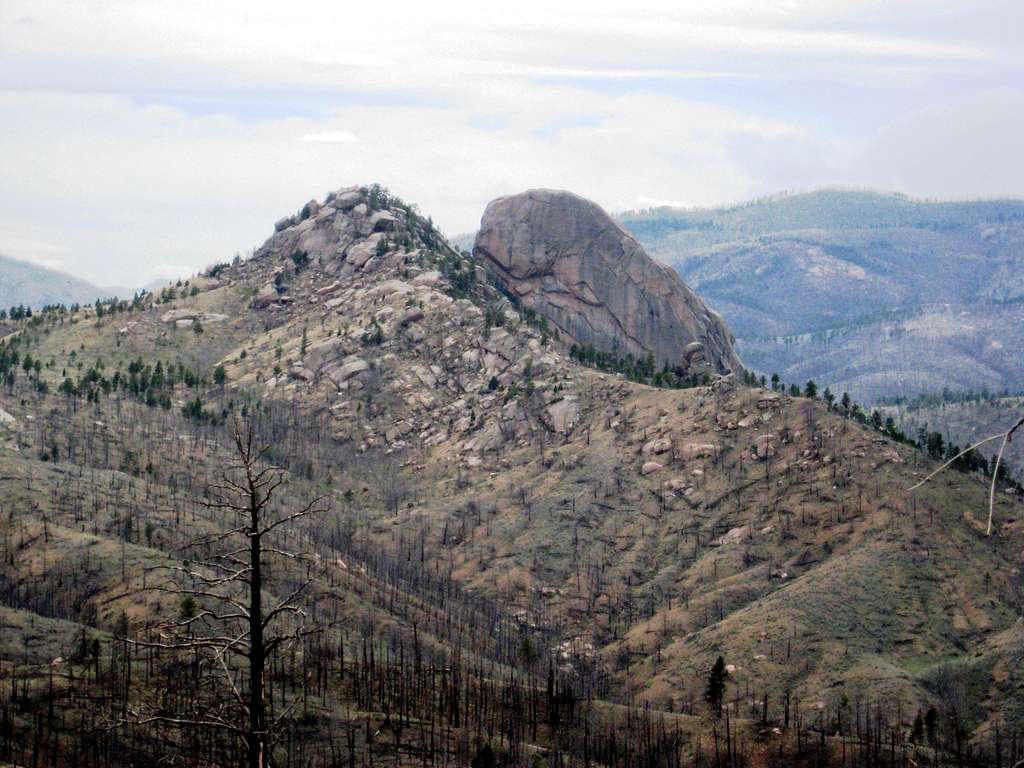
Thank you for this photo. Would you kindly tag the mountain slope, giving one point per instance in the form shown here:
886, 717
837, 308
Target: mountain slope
944, 278
537, 530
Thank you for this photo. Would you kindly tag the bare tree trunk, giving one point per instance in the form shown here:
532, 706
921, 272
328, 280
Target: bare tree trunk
257, 736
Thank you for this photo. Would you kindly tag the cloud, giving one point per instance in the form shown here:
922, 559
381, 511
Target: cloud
330, 137
16, 241
168, 272
967, 148
197, 125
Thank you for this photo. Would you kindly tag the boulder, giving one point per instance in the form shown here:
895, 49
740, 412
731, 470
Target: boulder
328, 289
267, 294
283, 224
656, 446
352, 366
566, 259
764, 446
691, 451
309, 210
347, 200
413, 315
650, 467
321, 353
174, 315
186, 317
383, 221
432, 277
732, 536
564, 414
389, 287
360, 253
6, 420
299, 371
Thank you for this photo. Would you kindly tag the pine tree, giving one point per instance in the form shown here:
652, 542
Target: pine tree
715, 691
931, 720
917, 733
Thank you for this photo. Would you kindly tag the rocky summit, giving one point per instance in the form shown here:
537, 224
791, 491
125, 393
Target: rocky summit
563, 257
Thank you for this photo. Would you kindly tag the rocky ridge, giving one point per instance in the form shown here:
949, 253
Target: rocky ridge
400, 333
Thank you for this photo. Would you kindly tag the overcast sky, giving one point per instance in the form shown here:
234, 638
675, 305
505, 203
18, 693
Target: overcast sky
146, 139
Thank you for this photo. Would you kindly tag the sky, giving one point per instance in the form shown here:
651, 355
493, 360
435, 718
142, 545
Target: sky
145, 140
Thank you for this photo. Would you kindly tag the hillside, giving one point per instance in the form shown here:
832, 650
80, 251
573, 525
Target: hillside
965, 419
517, 551
22, 283
939, 283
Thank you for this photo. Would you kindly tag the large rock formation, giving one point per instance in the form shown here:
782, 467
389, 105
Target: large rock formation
565, 258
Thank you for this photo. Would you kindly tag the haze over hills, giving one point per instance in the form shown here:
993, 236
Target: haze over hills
532, 544
874, 294
24, 283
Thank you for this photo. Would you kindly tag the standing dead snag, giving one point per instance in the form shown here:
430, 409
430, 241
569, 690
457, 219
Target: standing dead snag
1006, 436
223, 623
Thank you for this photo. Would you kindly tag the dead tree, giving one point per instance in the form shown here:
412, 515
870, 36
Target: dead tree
222, 619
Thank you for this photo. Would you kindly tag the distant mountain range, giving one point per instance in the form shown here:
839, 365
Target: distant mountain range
874, 294
32, 285
24, 283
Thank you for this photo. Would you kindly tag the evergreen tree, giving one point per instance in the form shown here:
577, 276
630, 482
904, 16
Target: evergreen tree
917, 733
715, 692
931, 721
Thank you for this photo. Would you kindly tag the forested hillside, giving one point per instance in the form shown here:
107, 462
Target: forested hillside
878, 295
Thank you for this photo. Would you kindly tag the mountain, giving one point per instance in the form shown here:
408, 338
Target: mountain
492, 552
22, 283
878, 295
564, 258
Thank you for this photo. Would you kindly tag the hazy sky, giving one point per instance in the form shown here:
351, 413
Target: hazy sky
146, 139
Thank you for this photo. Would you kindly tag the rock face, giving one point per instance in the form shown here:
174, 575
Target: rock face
565, 258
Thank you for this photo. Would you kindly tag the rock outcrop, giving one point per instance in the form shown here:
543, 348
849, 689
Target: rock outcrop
343, 235
566, 259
